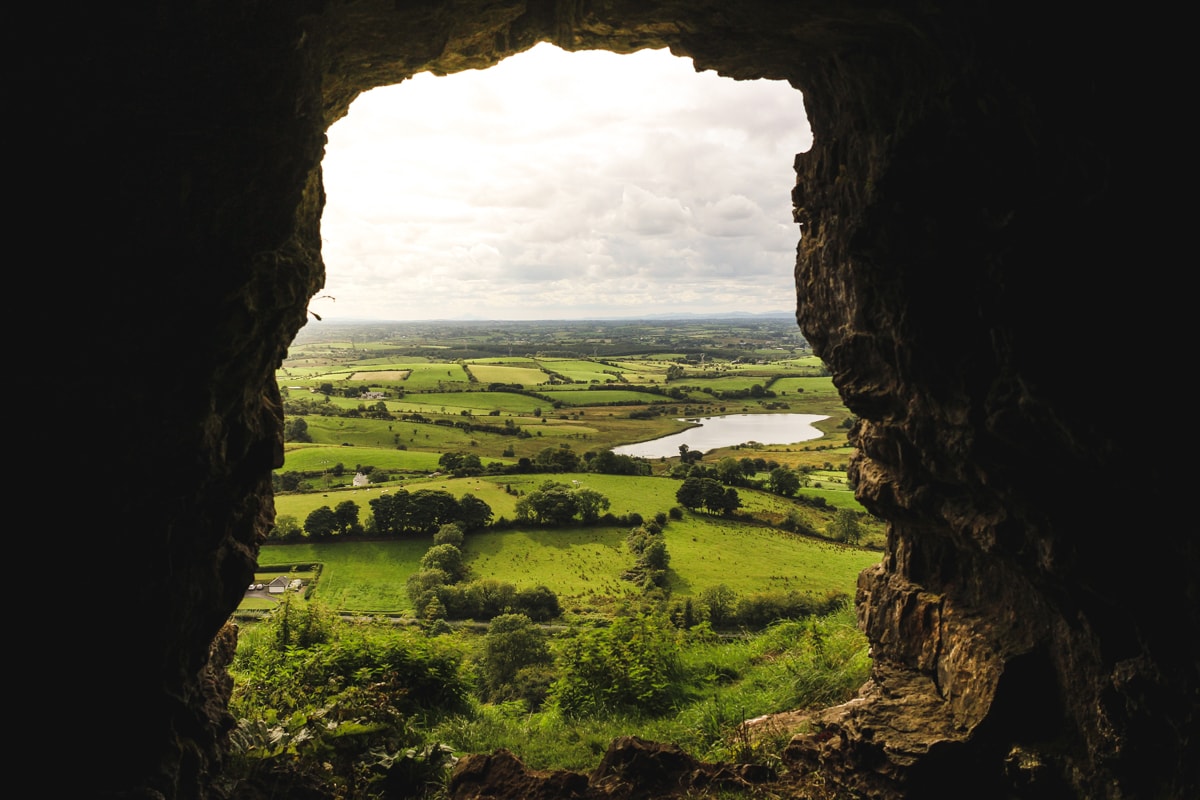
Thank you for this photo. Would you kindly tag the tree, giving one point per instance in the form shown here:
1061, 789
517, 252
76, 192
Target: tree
631, 665
286, 527
689, 456
512, 642
557, 459
720, 601
783, 481
296, 430
552, 503
655, 555
450, 533
289, 481
729, 471
690, 494
539, 603
447, 558
591, 503
845, 526
609, 463
461, 464
321, 523
423, 586
429, 509
719, 499
473, 513
391, 512
346, 515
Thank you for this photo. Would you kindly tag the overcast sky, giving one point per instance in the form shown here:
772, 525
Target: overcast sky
562, 185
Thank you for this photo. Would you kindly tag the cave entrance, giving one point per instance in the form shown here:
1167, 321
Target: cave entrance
563, 185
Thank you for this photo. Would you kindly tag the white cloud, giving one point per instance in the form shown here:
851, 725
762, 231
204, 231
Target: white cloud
563, 185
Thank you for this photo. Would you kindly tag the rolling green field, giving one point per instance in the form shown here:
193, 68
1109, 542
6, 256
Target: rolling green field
768, 551
442, 374
502, 373
583, 565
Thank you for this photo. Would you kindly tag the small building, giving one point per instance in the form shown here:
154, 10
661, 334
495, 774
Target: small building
361, 480
278, 585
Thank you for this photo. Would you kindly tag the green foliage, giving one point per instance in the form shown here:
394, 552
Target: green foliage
760, 609
286, 528
846, 527
451, 533
720, 602
513, 643
708, 493
555, 503
630, 666
296, 430
448, 559
290, 667
321, 523
783, 481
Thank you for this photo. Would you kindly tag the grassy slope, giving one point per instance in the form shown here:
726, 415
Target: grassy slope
583, 565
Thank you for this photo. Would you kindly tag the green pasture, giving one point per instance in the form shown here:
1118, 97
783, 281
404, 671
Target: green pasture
581, 371
358, 431
383, 374
709, 551
299, 372
389, 435
504, 373
300, 505
319, 458
476, 402
583, 565
724, 383
813, 387
356, 576
596, 397
433, 376
513, 361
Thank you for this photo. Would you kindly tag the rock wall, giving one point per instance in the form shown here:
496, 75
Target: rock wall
1034, 621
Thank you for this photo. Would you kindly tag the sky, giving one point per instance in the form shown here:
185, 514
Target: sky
560, 185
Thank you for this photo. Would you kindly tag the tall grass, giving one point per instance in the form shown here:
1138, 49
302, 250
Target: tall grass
726, 682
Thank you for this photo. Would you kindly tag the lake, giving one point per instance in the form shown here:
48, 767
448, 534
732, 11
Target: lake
727, 430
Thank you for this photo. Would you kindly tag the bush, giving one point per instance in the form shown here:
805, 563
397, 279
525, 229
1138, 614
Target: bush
450, 533
513, 643
633, 665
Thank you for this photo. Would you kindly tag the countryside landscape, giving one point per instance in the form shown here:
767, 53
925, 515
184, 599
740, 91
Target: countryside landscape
464, 559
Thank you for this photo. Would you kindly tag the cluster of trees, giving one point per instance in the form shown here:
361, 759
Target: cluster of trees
649, 548
312, 408
562, 458
555, 503
732, 471
439, 589
400, 512
708, 494
326, 522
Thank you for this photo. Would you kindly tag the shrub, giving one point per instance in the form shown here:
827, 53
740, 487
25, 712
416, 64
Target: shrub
450, 533
633, 665
513, 642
